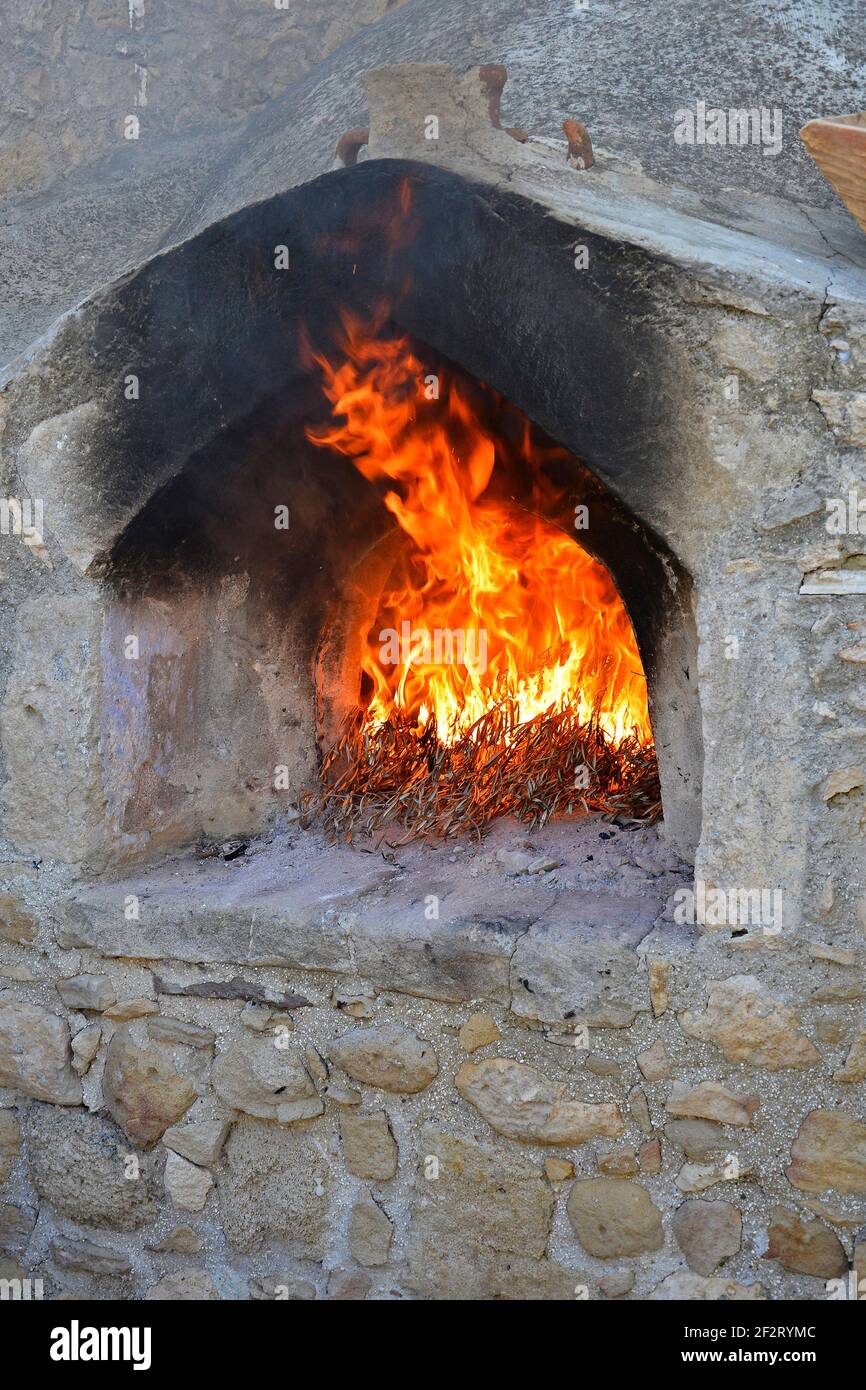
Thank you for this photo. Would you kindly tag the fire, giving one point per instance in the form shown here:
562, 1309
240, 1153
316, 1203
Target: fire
491, 604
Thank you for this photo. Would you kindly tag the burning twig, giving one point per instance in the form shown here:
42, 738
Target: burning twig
393, 775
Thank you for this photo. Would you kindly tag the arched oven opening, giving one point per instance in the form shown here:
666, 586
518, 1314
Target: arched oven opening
382, 560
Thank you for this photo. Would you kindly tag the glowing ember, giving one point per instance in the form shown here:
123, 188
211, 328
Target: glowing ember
492, 610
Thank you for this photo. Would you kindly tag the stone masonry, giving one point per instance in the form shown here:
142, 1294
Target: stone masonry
659, 1113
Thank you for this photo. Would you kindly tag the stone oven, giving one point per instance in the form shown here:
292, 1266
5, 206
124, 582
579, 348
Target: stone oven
521, 1066
221, 545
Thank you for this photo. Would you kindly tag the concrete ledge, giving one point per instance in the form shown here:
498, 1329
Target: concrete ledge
434, 934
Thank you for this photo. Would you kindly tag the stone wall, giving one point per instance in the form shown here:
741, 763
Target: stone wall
79, 70
555, 1088
536, 1111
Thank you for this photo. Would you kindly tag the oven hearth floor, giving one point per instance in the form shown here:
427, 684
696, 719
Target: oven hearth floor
452, 922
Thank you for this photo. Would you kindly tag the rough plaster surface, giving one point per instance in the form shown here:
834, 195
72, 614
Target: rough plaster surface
192, 165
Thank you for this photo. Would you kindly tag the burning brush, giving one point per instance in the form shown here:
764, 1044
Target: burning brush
503, 672
393, 776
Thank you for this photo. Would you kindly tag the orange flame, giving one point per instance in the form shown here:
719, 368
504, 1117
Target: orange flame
490, 601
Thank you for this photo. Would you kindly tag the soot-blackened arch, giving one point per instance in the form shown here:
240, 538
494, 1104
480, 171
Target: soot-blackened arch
212, 329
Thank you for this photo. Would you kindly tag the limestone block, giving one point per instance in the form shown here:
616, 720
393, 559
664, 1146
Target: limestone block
613, 1217
369, 1149
260, 1078
272, 1186
370, 1232
391, 1057
85, 1167
525, 1105
143, 1091
34, 1053
829, 1151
